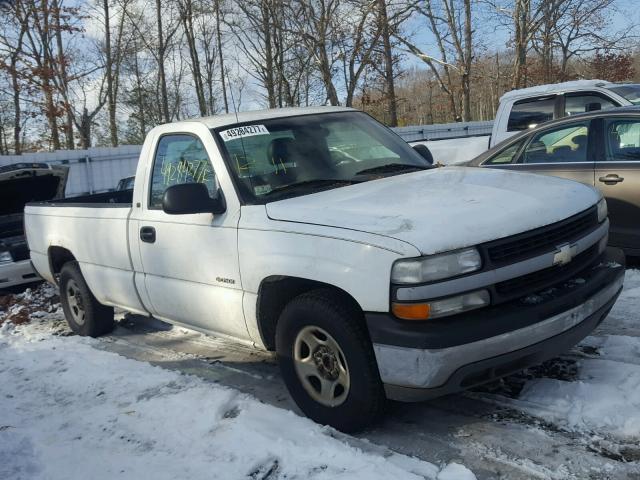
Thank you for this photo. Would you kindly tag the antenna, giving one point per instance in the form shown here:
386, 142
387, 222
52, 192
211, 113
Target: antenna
233, 100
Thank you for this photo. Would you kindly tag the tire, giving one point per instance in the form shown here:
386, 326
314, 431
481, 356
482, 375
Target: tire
322, 346
85, 315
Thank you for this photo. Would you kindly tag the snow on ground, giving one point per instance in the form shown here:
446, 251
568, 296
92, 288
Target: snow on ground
604, 398
69, 410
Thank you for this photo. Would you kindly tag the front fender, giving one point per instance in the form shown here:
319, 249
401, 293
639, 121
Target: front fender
361, 270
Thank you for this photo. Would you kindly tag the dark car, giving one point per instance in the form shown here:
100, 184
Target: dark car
600, 148
126, 183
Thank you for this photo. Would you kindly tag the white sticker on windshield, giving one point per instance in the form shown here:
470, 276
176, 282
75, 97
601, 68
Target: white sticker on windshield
246, 131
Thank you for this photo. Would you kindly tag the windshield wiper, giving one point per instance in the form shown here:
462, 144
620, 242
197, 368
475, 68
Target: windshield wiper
310, 184
391, 168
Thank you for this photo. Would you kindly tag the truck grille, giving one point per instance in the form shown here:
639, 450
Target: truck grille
532, 243
542, 279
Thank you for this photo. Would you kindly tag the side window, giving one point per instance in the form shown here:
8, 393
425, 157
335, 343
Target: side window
507, 155
623, 140
531, 112
562, 145
581, 103
180, 159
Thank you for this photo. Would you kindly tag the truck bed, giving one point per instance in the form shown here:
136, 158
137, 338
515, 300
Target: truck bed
96, 229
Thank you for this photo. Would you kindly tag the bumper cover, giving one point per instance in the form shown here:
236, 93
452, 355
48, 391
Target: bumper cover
17, 273
418, 362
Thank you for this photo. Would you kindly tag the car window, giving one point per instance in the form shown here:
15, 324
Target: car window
507, 155
179, 159
630, 92
298, 155
582, 103
531, 112
275, 152
623, 140
561, 145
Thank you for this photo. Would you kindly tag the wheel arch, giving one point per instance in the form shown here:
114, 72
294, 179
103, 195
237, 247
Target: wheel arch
58, 256
276, 291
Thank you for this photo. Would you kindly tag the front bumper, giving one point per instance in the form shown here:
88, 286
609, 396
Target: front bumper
17, 273
418, 362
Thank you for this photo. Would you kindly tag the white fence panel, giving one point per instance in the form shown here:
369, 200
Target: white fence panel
90, 171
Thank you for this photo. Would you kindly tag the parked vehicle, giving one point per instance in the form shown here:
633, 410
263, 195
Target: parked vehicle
601, 149
526, 108
19, 184
126, 183
320, 234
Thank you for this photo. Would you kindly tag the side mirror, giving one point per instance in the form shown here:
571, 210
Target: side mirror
189, 198
424, 152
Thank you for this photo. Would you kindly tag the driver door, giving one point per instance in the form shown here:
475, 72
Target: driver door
190, 262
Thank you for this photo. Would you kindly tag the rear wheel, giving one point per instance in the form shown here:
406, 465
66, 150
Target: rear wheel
84, 314
327, 361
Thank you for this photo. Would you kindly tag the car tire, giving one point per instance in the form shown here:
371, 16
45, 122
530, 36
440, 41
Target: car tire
84, 314
327, 361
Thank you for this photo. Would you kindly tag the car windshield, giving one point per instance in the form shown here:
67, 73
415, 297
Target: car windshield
284, 157
629, 92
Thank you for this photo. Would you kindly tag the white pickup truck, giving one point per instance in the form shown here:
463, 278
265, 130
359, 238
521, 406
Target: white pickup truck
526, 108
320, 234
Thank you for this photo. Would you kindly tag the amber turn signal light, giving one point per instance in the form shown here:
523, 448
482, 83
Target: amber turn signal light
411, 311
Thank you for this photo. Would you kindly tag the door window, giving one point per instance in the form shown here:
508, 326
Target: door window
180, 159
575, 104
561, 145
531, 112
623, 140
506, 156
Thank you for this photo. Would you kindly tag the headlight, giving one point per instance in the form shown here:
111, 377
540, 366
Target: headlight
5, 257
602, 210
436, 267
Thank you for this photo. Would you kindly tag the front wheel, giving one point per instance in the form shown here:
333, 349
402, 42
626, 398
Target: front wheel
85, 315
327, 361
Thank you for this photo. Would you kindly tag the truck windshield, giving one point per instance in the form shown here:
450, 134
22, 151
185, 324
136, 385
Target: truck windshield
284, 157
630, 92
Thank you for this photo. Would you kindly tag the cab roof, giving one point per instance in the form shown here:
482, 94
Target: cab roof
576, 85
226, 119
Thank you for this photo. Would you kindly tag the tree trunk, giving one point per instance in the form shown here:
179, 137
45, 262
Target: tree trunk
17, 117
327, 79
466, 73
390, 88
47, 73
269, 82
111, 100
187, 21
85, 130
141, 118
221, 57
521, 16
62, 65
164, 96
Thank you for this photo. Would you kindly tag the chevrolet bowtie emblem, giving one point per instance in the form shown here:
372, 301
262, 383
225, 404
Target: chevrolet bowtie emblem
564, 254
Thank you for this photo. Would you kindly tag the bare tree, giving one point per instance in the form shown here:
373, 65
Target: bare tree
451, 24
12, 50
112, 63
584, 26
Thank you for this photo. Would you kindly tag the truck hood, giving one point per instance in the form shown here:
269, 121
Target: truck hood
22, 183
19, 184
442, 209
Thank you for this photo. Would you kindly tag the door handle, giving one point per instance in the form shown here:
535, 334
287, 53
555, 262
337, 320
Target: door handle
611, 179
148, 234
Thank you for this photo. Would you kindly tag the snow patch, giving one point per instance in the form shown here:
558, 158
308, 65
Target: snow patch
70, 410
